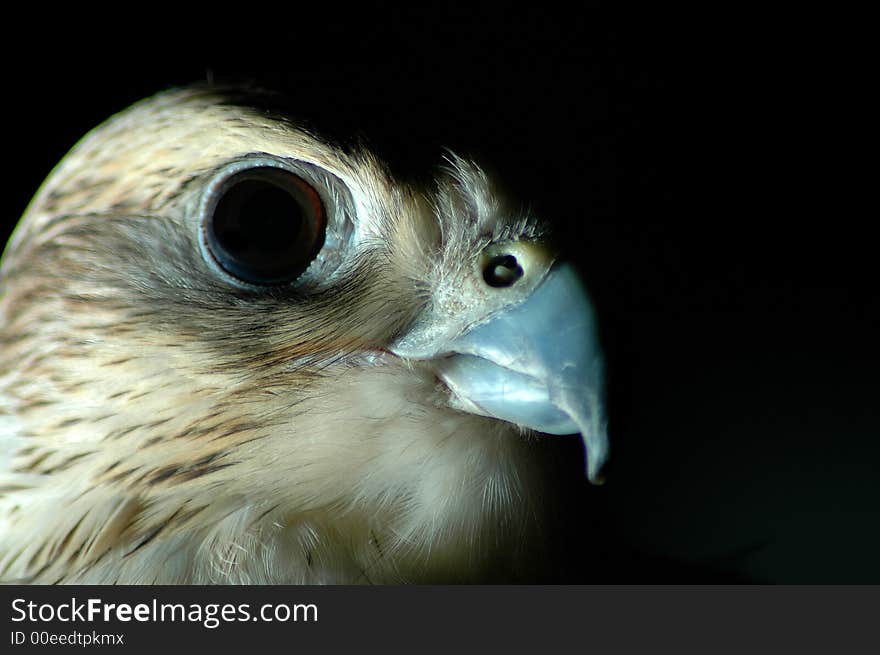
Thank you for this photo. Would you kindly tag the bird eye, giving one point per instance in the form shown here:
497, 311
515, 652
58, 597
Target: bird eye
264, 225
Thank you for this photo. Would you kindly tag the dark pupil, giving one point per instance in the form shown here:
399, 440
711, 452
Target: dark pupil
257, 227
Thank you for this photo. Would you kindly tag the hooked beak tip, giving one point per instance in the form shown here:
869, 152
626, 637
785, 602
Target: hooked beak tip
595, 440
595, 474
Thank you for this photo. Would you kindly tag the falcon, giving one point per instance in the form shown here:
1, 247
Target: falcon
234, 352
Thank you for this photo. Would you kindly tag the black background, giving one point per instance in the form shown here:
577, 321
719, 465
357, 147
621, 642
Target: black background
690, 166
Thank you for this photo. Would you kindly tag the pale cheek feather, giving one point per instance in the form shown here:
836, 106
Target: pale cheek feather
393, 481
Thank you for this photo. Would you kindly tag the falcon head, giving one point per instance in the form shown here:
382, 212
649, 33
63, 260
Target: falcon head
233, 352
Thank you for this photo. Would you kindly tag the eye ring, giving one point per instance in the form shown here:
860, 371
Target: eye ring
262, 224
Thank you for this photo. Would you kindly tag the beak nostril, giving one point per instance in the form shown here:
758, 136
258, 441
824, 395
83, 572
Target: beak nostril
502, 271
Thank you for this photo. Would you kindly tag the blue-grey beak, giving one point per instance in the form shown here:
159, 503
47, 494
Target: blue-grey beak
526, 352
538, 365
